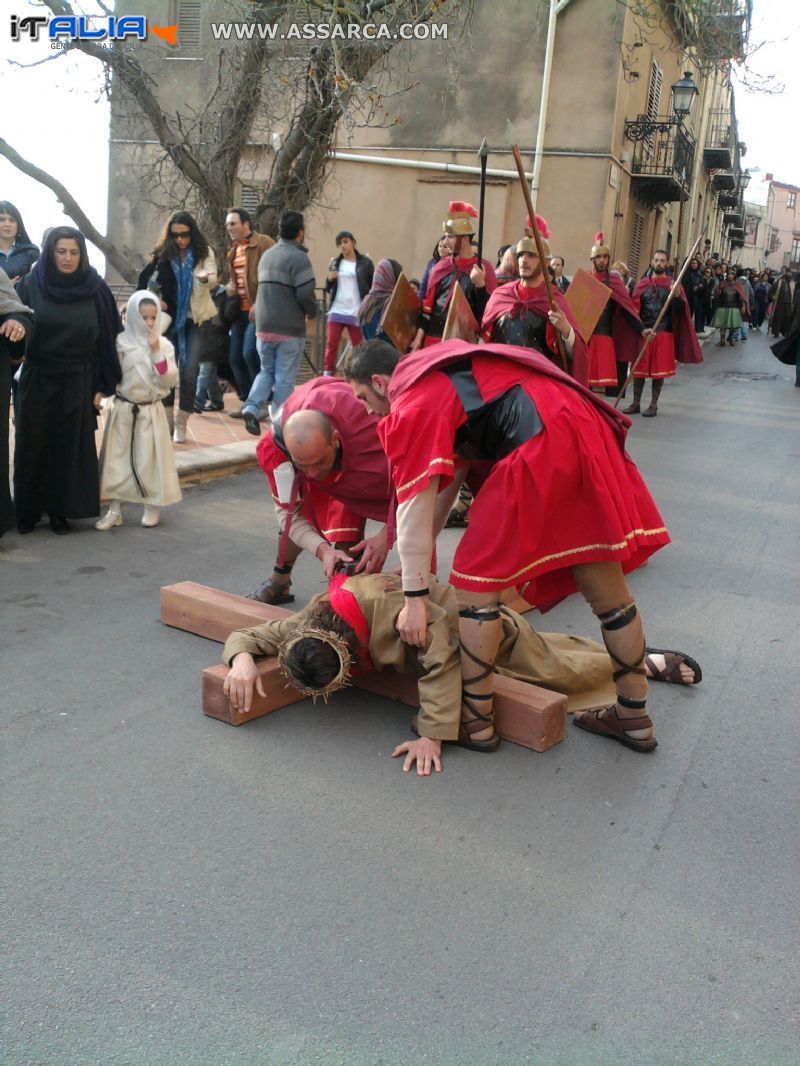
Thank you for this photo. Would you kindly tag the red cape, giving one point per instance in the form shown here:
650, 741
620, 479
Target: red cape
416, 365
510, 300
627, 340
461, 266
364, 483
687, 350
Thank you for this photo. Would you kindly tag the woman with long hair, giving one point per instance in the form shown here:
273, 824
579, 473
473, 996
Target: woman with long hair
183, 273
440, 250
70, 364
18, 253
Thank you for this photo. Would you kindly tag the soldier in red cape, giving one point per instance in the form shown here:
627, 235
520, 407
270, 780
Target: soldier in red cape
460, 267
615, 342
675, 337
562, 508
328, 474
520, 313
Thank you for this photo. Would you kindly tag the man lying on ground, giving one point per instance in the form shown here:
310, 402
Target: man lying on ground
352, 629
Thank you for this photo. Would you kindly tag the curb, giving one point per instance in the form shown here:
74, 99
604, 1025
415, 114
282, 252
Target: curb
207, 464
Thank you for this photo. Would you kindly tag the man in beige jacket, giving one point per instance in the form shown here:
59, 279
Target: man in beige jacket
575, 666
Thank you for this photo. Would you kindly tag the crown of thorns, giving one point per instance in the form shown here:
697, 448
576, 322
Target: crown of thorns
333, 640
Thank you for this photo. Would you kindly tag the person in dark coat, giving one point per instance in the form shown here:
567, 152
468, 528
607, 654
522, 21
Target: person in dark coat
70, 365
16, 325
782, 296
788, 348
18, 253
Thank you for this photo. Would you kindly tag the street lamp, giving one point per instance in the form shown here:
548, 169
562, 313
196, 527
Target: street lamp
744, 179
683, 94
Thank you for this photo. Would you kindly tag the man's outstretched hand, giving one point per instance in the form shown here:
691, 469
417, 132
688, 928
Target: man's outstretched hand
425, 752
373, 552
242, 678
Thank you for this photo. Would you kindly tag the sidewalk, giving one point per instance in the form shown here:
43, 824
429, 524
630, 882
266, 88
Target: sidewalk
216, 444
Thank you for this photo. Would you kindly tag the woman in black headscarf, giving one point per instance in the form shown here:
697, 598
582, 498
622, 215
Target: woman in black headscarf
70, 365
16, 323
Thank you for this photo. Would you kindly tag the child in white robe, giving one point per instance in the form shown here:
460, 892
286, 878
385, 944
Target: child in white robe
137, 464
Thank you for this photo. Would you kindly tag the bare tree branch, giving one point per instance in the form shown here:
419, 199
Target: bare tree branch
73, 209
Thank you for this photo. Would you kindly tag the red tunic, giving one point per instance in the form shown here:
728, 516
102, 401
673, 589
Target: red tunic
361, 488
602, 360
624, 342
511, 299
681, 344
568, 495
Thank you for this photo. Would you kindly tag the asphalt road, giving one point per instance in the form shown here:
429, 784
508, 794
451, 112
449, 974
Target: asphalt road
180, 891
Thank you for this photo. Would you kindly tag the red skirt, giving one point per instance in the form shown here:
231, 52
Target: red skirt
602, 361
332, 519
658, 360
570, 495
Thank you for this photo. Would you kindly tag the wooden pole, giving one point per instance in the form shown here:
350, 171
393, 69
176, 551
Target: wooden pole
548, 286
675, 286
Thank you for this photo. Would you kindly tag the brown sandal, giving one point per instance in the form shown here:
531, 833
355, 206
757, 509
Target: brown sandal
271, 594
475, 725
672, 671
606, 723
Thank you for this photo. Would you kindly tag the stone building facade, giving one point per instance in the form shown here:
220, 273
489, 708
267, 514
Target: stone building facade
615, 158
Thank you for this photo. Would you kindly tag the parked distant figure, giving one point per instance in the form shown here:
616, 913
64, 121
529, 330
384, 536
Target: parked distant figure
560, 279
18, 253
507, 265
349, 280
137, 464
71, 363
439, 251
702, 300
761, 294
622, 269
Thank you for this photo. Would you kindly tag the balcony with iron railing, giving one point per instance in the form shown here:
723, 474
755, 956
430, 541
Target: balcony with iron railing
718, 151
663, 159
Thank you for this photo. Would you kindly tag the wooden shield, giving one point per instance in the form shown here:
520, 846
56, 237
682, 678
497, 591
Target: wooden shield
587, 297
401, 315
460, 324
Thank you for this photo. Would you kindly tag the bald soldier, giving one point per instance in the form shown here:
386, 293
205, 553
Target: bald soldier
328, 474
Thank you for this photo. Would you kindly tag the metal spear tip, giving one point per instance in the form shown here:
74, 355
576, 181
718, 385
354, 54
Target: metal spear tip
483, 151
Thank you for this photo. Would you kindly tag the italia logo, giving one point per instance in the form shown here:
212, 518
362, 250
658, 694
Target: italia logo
81, 28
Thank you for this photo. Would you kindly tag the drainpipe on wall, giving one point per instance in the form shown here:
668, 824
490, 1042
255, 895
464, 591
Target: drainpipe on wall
556, 6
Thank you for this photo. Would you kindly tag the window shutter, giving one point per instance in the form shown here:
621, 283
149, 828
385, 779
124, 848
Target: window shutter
188, 14
635, 253
250, 199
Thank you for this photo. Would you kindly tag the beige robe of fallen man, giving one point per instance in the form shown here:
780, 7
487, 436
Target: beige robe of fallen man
575, 666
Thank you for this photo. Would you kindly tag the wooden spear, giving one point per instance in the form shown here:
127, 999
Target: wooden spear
675, 287
548, 287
